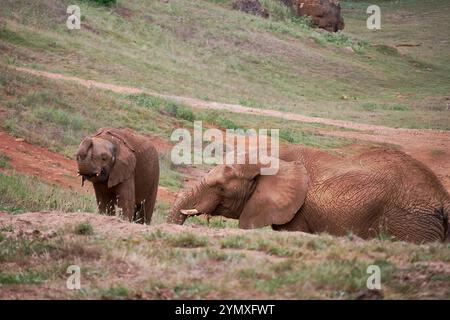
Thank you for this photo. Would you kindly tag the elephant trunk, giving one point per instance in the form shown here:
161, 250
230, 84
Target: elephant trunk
185, 201
85, 167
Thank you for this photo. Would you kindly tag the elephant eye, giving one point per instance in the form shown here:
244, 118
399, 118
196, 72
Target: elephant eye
104, 157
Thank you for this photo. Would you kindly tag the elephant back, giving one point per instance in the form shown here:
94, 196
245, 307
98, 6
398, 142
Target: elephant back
136, 142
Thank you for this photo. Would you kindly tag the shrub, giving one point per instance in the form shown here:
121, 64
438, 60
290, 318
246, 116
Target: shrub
104, 2
180, 112
84, 228
188, 240
4, 161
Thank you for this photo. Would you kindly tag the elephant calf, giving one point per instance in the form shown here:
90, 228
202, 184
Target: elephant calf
123, 167
379, 191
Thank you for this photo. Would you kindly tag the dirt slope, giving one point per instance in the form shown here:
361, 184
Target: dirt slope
54, 168
121, 260
429, 146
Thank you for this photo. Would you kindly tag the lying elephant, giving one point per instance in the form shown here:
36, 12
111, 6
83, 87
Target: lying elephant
379, 191
123, 166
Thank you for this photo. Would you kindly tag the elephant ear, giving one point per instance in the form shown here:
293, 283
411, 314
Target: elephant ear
276, 198
124, 164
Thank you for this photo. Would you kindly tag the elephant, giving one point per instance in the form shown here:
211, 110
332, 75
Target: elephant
378, 192
123, 167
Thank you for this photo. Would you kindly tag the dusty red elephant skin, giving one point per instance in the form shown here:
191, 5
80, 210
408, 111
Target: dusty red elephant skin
123, 167
380, 191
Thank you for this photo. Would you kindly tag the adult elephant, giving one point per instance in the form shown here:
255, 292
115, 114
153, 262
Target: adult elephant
379, 191
123, 167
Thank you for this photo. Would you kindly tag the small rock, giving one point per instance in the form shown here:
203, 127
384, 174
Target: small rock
344, 97
367, 294
34, 233
19, 140
50, 234
349, 49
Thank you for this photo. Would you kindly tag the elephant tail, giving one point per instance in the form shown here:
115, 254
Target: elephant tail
446, 220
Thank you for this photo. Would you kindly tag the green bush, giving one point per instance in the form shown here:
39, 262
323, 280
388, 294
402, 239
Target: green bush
4, 161
180, 112
84, 229
277, 10
287, 135
104, 2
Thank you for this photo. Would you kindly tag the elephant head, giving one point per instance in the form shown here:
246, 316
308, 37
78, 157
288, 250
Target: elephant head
241, 192
102, 160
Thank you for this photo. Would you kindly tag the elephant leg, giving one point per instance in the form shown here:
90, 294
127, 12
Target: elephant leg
139, 215
149, 204
298, 223
418, 225
105, 199
126, 198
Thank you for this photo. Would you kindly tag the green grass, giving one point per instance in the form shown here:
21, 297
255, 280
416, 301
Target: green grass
298, 133
70, 113
234, 242
188, 240
104, 2
4, 161
205, 49
26, 277
84, 228
58, 115
169, 177
214, 222
19, 193
23, 248
272, 248
259, 264
115, 292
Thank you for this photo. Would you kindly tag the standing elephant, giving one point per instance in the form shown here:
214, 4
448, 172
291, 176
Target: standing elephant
379, 191
123, 167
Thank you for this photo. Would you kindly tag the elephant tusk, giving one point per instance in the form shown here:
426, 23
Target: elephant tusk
190, 212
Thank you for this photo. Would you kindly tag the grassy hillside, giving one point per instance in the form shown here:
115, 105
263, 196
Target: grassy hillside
205, 263
398, 77
58, 114
204, 49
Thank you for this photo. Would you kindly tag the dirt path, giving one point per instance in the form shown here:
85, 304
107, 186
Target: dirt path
429, 146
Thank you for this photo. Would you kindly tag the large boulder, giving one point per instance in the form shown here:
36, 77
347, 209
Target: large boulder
325, 14
250, 6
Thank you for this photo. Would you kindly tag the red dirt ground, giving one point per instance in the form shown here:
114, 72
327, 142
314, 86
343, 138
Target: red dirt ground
54, 168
